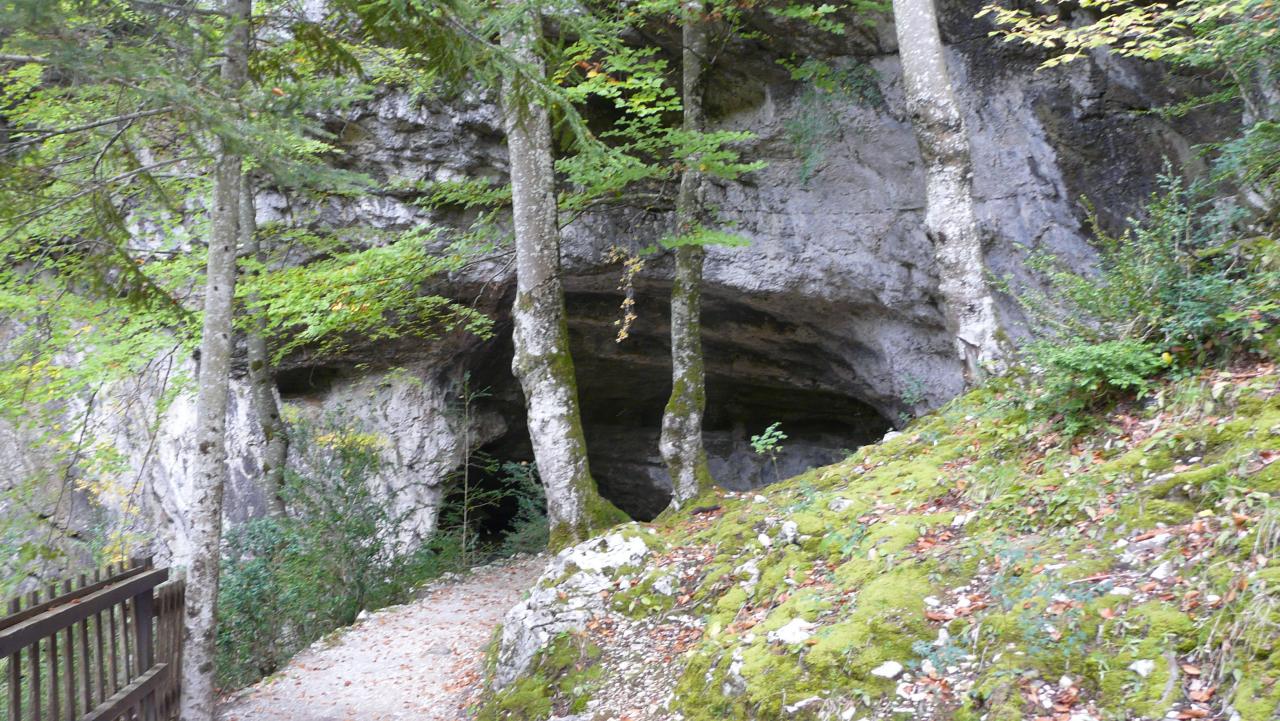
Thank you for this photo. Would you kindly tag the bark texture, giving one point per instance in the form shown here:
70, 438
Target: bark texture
542, 362
213, 380
681, 440
262, 378
949, 215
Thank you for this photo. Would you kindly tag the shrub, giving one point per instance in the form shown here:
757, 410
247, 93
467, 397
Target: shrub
288, 581
1179, 278
1177, 289
1079, 377
529, 531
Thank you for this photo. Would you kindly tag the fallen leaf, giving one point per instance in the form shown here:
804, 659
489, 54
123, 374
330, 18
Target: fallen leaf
1203, 694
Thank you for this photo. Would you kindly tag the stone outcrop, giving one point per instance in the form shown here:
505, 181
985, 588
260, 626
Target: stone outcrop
564, 599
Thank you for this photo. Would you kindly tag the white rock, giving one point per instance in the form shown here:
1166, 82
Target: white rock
840, 505
796, 631
888, 669
568, 594
1158, 541
764, 540
890, 436
1163, 571
1122, 591
1066, 682
749, 572
666, 585
944, 637
759, 499
734, 683
1143, 668
932, 601
790, 532
801, 705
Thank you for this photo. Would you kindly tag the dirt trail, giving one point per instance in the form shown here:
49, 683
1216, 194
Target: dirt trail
417, 661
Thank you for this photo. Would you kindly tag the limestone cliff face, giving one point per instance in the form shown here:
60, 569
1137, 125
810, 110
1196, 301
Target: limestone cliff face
828, 322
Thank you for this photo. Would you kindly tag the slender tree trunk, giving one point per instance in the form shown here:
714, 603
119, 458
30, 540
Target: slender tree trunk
542, 361
200, 629
681, 440
262, 380
949, 215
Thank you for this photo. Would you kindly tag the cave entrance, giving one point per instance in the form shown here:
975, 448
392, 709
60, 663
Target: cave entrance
501, 495
622, 407
762, 368
623, 431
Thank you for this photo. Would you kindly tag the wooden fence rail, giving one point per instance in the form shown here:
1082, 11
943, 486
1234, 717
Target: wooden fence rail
98, 649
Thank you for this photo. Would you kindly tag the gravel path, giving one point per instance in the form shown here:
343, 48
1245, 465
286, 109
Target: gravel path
417, 661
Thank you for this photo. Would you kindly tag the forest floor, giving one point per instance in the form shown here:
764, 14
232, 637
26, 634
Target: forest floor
421, 660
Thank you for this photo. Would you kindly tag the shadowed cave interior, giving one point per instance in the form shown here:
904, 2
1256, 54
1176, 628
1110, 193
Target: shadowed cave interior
623, 388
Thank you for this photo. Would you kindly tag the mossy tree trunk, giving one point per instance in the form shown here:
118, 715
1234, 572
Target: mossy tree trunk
213, 382
542, 362
262, 377
681, 439
949, 214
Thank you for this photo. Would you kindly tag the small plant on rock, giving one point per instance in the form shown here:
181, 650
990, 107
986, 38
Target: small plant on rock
769, 444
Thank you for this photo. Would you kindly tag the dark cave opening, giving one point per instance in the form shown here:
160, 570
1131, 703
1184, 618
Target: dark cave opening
491, 490
755, 378
305, 380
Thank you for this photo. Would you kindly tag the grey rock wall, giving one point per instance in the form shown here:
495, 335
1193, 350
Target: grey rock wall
829, 320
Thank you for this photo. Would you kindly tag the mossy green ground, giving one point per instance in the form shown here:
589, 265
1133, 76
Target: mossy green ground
1034, 528
558, 683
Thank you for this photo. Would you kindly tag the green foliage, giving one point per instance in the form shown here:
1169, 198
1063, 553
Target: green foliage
1180, 278
1235, 44
769, 442
529, 531
469, 502
1179, 288
288, 581
818, 16
1081, 377
112, 114
374, 294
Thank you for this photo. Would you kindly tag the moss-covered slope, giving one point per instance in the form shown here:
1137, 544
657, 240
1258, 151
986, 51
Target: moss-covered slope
979, 566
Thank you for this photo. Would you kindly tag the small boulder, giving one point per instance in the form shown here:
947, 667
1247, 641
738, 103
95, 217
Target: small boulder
796, 631
1143, 668
888, 669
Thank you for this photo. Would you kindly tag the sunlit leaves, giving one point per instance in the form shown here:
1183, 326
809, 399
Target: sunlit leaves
379, 293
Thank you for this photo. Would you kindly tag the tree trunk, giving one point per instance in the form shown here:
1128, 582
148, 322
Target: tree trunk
949, 215
262, 380
681, 440
542, 362
213, 380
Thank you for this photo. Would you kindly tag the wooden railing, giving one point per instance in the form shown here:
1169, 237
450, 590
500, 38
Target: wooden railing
99, 649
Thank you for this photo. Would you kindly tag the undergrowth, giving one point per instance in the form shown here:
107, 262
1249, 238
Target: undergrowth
346, 545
